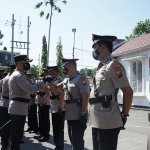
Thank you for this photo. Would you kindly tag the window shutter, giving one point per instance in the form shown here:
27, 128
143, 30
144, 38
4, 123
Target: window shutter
134, 82
139, 76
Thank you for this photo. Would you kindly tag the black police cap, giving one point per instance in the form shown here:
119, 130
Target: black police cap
65, 60
22, 57
2, 70
104, 38
52, 68
12, 67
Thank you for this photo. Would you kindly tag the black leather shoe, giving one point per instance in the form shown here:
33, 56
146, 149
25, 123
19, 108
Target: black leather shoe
33, 132
29, 129
38, 136
43, 139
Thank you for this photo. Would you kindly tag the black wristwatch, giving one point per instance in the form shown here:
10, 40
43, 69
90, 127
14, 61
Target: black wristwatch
83, 113
125, 115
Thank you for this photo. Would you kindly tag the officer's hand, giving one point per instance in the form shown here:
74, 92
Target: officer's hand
60, 111
124, 119
83, 119
42, 106
48, 79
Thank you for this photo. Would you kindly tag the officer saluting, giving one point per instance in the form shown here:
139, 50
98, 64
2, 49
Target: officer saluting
19, 90
4, 109
104, 113
76, 89
57, 110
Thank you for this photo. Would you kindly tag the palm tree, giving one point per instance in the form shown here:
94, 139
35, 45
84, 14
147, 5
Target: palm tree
53, 7
34, 70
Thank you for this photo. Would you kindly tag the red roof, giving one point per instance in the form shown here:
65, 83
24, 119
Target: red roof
133, 45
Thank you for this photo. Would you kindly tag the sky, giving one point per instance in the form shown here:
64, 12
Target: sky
107, 17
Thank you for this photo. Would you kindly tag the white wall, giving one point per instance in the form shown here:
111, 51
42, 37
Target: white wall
142, 99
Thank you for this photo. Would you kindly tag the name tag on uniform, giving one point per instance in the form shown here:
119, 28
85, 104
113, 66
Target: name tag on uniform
72, 85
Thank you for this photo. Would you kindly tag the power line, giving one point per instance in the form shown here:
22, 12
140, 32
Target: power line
83, 50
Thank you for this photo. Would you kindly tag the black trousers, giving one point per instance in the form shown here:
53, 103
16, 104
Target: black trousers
0, 120
44, 122
32, 118
58, 130
5, 131
76, 134
105, 139
16, 131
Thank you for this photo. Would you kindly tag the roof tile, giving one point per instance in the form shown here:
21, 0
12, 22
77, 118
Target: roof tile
133, 44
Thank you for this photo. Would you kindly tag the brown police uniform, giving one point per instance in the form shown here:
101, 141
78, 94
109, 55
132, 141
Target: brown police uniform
1, 82
19, 90
73, 87
104, 113
32, 115
58, 118
5, 131
43, 113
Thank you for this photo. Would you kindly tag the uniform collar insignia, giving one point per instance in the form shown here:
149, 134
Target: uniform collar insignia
105, 60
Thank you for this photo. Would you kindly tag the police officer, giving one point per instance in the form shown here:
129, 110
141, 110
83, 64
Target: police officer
105, 117
1, 82
43, 113
4, 109
32, 116
19, 90
76, 89
57, 110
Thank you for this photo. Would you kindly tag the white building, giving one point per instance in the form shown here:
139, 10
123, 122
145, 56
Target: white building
135, 56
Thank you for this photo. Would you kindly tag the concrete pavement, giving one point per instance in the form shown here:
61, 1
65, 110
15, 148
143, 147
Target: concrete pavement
133, 138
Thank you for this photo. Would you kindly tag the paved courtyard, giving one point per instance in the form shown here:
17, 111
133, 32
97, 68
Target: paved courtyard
133, 138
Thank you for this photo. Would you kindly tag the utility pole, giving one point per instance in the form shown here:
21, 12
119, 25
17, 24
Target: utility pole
19, 44
12, 43
73, 30
28, 37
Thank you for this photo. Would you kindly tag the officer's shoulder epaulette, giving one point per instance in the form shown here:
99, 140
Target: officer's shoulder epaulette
83, 78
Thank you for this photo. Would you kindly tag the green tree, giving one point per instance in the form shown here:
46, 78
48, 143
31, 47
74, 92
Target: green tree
44, 52
53, 6
35, 71
89, 72
59, 56
140, 29
1, 36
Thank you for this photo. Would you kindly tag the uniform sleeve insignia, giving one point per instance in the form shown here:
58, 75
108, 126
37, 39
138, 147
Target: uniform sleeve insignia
117, 69
83, 79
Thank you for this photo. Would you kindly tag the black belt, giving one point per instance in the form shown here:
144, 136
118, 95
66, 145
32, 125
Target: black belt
71, 101
41, 93
105, 100
19, 99
54, 97
6, 97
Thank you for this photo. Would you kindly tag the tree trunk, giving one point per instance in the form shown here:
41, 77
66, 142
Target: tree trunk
49, 36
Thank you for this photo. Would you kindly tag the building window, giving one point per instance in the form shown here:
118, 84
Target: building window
137, 76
